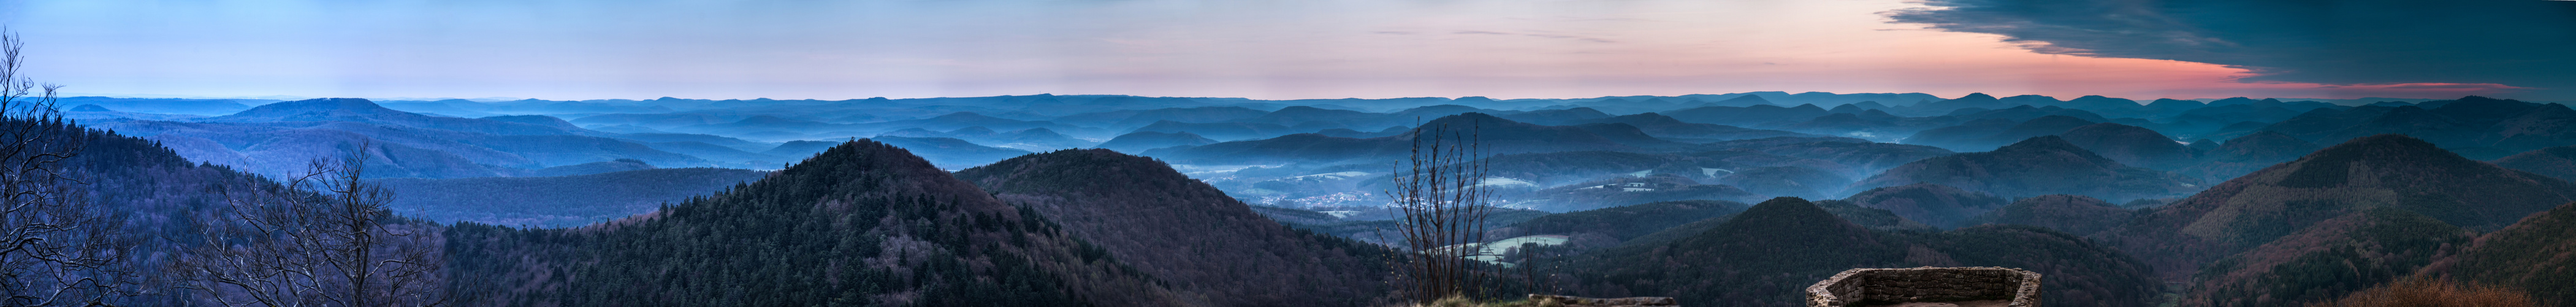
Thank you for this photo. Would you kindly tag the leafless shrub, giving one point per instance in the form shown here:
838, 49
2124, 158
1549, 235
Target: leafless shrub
1437, 188
61, 249
321, 237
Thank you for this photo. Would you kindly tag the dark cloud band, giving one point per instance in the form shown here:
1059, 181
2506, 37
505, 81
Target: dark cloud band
2522, 43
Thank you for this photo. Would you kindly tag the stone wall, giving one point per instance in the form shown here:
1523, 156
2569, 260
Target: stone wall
1570, 301
1867, 287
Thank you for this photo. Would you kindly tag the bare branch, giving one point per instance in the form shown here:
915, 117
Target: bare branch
319, 238
60, 249
1438, 190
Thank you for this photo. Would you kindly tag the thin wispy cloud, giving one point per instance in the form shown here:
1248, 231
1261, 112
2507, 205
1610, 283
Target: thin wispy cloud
1555, 36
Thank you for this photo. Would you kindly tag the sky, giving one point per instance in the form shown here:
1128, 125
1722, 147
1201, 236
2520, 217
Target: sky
1294, 49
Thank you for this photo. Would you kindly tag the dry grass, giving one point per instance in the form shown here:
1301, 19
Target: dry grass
2430, 292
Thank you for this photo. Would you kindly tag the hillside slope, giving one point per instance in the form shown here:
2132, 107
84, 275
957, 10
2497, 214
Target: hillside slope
2555, 162
1932, 204
861, 223
2335, 257
1185, 232
2071, 214
2533, 254
2384, 171
1766, 254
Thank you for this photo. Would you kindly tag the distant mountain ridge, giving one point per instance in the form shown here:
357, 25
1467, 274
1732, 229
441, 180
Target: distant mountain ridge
2479, 127
279, 137
557, 202
2037, 166
1500, 136
364, 111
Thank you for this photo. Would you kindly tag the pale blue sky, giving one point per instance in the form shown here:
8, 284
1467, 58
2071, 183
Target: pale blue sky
1258, 49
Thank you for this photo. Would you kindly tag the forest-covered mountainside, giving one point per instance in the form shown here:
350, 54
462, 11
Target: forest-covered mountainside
2534, 254
2334, 257
2131, 145
862, 223
1185, 233
1933, 204
2071, 214
2555, 162
2383, 171
1762, 255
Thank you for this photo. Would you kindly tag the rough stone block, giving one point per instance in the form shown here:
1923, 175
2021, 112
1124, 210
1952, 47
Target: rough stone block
1877, 287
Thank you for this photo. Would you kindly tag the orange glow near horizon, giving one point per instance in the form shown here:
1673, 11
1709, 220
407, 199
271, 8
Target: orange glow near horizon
1263, 50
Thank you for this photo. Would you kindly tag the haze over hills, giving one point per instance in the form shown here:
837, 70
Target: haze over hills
1665, 127
557, 201
277, 137
1606, 227
1139, 142
787, 120
1500, 136
2131, 145
2037, 166
2246, 154
1342, 143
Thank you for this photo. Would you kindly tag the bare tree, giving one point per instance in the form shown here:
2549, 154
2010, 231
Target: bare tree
1439, 190
322, 237
60, 248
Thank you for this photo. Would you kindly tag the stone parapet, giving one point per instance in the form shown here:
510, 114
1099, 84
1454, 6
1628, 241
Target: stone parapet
1961, 285
1569, 301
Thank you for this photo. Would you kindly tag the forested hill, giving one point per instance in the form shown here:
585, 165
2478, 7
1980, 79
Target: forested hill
863, 223
158, 196
2391, 171
1186, 232
1764, 255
